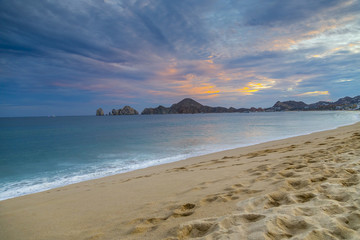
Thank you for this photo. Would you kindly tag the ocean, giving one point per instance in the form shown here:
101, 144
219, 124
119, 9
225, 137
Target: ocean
41, 153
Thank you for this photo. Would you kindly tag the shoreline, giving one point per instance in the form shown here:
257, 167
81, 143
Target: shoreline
154, 163
191, 197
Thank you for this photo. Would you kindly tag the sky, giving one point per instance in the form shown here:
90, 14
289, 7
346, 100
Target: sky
71, 57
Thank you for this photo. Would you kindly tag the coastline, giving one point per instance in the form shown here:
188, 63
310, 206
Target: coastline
45, 182
191, 198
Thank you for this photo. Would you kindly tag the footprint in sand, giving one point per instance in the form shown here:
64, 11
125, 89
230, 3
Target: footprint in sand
184, 210
277, 199
297, 183
150, 224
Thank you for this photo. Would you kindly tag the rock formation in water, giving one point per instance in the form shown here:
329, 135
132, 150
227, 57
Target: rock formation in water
114, 112
127, 110
99, 112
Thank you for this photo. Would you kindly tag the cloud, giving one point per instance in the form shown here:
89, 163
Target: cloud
344, 80
314, 93
284, 12
252, 87
160, 51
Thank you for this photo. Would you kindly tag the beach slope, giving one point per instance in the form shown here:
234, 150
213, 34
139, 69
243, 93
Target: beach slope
306, 187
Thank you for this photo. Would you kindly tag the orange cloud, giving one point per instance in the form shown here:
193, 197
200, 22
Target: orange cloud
315, 93
323, 28
176, 70
208, 96
204, 88
247, 90
190, 85
208, 80
282, 44
227, 76
170, 70
252, 87
194, 86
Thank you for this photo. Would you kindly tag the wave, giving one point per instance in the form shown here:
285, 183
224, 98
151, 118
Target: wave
114, 163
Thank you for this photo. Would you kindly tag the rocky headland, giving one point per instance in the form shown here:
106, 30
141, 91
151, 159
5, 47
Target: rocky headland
190, 106
346, 103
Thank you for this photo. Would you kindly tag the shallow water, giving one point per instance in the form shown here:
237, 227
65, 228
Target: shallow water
41, 153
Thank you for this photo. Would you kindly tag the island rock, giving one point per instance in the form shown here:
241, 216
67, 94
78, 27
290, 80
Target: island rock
100, 112
114, 112
127, 110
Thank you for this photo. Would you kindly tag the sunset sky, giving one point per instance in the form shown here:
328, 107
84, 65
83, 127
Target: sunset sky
70, 57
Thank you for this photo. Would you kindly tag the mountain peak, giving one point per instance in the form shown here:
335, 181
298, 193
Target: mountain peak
186, 105
188, 102
290, 105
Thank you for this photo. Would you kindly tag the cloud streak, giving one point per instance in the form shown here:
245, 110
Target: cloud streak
238, 53
314, 93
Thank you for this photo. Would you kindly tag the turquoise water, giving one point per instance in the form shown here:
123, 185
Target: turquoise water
41, 153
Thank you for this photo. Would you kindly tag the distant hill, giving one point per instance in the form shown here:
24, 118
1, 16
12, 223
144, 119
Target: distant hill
190, 106
289, 106
346, 103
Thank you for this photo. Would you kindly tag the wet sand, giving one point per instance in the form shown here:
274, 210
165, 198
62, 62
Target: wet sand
306, 187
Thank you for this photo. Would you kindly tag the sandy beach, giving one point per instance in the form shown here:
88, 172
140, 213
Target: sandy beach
305, 187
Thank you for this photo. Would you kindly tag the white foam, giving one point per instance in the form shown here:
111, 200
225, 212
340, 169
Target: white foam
19, 188
111, 164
